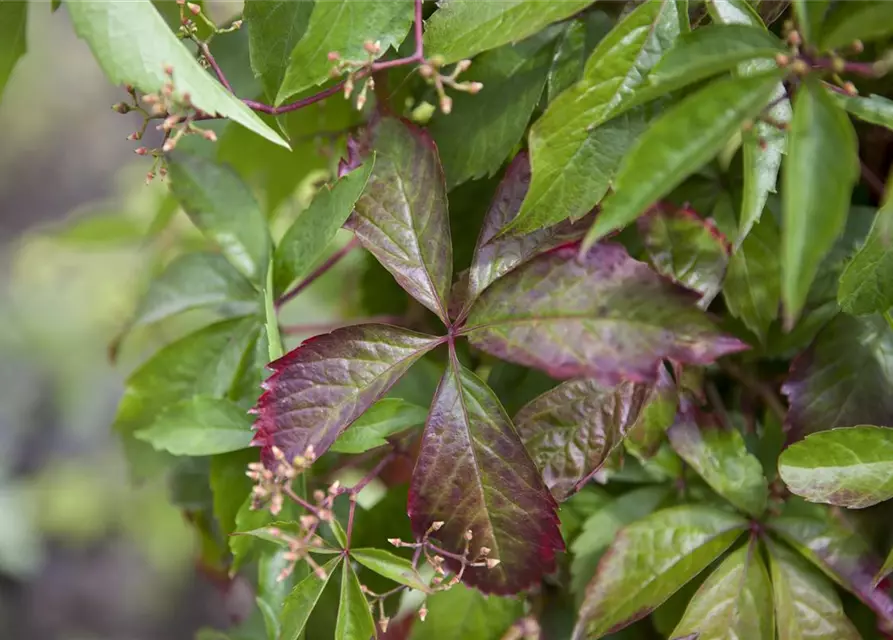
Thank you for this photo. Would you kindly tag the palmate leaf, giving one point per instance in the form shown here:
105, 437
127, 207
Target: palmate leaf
649, 561
843, 379
850, 467
572, 429
628, 319
402, 218
274, 28
301, 601
806, 605
720, 457
200, 426
734, 603
473, 473
464, 28
317, 390
573, 152
354, 617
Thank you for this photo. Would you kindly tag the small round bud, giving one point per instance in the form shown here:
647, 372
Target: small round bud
438, 61
838, 64
485, 551
169, 69
383, 624
794, 38
462, 66
150, 177
168, 145
426, 71
181, 2
423, 613
209, 135
782, 60
318, 495
194, 8
850, 88
492, 562
857, 46
237, 24
134, 136
446, 104
436, 526
320, 573
141, 151
334, 56
475, 87
121, 107
469, 535
800, 67
397, 542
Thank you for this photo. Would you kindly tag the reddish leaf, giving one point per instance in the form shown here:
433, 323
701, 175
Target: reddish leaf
474, 474
607, 317
843, 379
571, 429
687, 249
495, 255
317, 390
402, 219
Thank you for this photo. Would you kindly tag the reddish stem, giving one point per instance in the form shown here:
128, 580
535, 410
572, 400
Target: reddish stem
374, 473
320, 270
206, 52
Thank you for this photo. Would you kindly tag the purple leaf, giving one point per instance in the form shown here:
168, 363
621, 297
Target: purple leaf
687, 249
495, 255
607, 317
843, 379
570, 430
402, 219
474, 474
317, 390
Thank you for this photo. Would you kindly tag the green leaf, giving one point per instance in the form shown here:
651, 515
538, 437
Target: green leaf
230, 486
201, 426
650, 560
391, 566
482, 129
253, 526
13, 35
343, 26
133, 45
193, 281
383, 419
574, 154
274, 29
734, 602
307, 238
849, 467
720, 457
600, 529
679, 143
820, 172
810, 14
223, 208
752, 287
354, 618
567, 65
462, 613
865, 21
645, 437
874, 108
464, 28
866, 284
806, 605
301, 601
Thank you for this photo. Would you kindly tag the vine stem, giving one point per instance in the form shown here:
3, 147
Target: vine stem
316, 273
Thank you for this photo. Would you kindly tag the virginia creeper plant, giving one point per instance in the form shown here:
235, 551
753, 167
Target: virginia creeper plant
618, 352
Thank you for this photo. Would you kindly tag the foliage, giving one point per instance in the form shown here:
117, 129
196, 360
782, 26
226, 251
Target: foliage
589, 350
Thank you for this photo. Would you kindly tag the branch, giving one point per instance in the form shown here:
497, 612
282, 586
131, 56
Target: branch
320, 270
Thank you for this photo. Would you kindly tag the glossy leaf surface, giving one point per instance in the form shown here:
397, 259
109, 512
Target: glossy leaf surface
354, 617
843, 379
274, 28
300, 602
572, 429
390, 566
463, 28
866, 284
850, 467
402, 219
383, 419
201, 426
649, 560
734, 603
819, 175
133, 45
872, 108
317, 390
629, 319
473, 473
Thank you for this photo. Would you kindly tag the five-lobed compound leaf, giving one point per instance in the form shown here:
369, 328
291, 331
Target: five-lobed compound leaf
473, 474
806, 605
866, 284
482, 129
320, 388
679, 143
307, 238
402, 218
687, 249
195, 280
734, 602
818, 177
200, 426
134, 45
849, 467
864, 21
841, 553
355, 620
301, 601
384, 418
342, 27
872, 108
607, 317
13, 34
464, 28
720, 457
575, 151
274, 29
391, 566
572, 429
649, 561
224, 209
460, 613
843, 379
